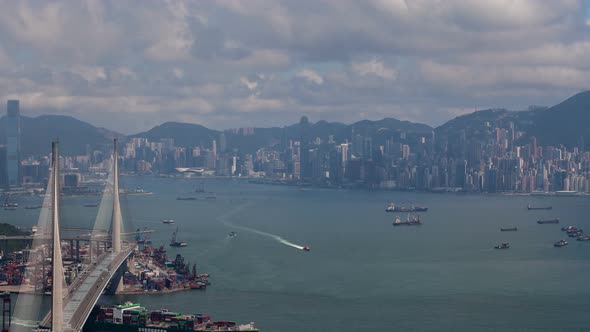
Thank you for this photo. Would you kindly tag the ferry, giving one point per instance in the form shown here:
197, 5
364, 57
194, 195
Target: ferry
511, 229
550, 221
410, 221
560, 243
502, 246
391, 207
132, 317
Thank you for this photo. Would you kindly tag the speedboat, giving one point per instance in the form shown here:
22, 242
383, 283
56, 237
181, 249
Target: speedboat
306, 248
502, 246
560, 243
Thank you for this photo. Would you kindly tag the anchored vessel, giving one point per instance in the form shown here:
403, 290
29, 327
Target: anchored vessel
560, 243
132, 317
412, 220
391, 207
510, 229
550, 221
167, 221
529, 207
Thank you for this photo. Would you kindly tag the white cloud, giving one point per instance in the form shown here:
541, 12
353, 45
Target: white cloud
250, 85
374, 67
209, 61
310, 76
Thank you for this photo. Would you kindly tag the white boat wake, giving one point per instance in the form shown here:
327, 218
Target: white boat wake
224, 220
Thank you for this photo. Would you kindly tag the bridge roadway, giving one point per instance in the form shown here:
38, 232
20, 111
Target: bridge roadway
83, 294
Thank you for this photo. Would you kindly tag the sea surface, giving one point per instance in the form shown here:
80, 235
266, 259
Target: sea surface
362, 274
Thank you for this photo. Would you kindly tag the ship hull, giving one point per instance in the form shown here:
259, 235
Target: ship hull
108, 327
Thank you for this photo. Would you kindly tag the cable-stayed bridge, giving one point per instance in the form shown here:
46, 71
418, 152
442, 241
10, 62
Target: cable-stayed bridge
71, 305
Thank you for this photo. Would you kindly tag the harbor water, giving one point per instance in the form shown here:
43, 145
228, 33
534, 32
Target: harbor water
361, 273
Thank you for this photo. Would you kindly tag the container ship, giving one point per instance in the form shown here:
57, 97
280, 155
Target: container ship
132, 317
391, 207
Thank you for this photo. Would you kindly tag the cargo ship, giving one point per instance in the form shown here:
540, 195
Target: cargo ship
550, 221
529, 207
410, 221
391, 207
132, 317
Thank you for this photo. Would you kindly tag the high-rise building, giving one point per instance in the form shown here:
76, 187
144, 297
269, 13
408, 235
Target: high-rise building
3, 172
12, 131
222, 143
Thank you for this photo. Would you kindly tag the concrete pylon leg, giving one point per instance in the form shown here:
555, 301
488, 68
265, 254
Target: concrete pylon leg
57, 277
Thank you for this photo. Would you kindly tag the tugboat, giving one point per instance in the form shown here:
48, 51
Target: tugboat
529, 207
502, 246
167, 221
174, 242
551, 221
306, 248
511, 229
410, 221
560, 243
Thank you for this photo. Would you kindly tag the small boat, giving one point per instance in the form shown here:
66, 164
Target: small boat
33, 207
560, 243
574, 234
10, 208
232, 234
211, 197
502, 246
306, 248
186, 198
91, 205
529, 207
569, 228
583, 238
511, 229
167, 221
550, 221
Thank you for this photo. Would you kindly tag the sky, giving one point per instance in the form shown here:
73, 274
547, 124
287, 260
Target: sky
131, 65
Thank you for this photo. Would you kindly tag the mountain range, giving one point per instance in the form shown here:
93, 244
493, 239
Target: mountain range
564, 123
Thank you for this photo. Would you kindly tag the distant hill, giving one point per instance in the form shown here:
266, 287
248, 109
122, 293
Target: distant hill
37, 134
563, 123
184, 134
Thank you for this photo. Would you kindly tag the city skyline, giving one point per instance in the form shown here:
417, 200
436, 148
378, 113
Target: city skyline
226, 64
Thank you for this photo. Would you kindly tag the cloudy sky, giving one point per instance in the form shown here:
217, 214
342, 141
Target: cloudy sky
130, 65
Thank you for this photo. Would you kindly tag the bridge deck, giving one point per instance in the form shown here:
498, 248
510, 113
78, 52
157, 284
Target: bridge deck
85, 291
